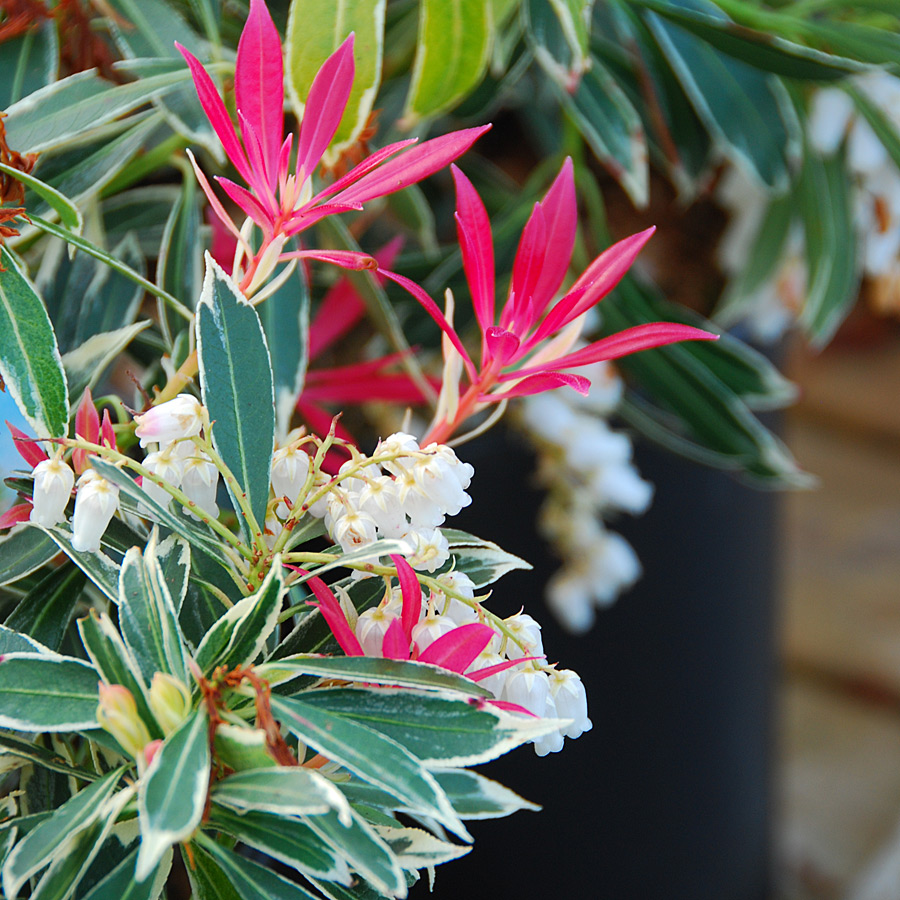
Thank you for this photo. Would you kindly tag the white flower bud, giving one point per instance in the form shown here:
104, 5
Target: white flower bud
178, 418
402, 443
53, 482
200, 482
96, 502
170, 701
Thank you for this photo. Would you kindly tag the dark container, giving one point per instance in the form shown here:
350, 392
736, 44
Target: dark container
669, 796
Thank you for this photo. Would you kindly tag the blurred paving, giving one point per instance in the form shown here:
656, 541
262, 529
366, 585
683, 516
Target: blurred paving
839, 787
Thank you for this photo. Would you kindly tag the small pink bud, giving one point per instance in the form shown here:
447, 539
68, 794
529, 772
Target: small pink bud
151, 750
117, 713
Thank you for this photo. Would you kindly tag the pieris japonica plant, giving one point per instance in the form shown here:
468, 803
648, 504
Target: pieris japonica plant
239, 644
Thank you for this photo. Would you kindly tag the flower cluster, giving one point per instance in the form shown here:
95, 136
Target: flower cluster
402, 491
588, 472
452, 628
96, 498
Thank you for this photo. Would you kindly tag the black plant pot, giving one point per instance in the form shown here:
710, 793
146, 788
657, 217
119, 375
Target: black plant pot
668, 797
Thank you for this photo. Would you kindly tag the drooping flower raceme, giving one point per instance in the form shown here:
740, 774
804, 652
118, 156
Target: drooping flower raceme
453, 630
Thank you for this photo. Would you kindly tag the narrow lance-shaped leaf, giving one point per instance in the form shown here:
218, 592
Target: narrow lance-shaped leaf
47, 693
236, 381
173, 791
36, 849
315, 30
30, 363
452, 53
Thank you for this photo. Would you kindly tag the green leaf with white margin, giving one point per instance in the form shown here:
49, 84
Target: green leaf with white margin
485, 565
831, 258
370, 755
746, 109
14, 642
29, 60
315, 29
115, 663
73, 860
30, 363
288, 840
452, 52
208, 880
46, 759
365, 852
764, 49
45, 611
47, 693
38, 847
475, 797
23, 551
286, 791
407, 673
885, 128
101, 570
253, 881
285, 320
436, 729
120, 882
85, 364
75, 106
242, 749
172, 793
575, 22
174, 557
68, 212
240, 635
416, 848
147, 615
236, 384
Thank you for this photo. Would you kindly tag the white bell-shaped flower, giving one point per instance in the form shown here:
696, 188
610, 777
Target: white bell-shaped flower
380, 498
401, 443
436, 479
430, 549
96, 502
460, 612
200, 482
528, 632
484, 660
354, 530
178, 418
529, 688
553, 742
430, 629
290, 469
53, 482
168, 464
371, 628
568, 692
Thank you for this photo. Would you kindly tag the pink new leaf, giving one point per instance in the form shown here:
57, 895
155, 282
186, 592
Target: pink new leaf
334, 616
87, 427
411, 592
500, 345
456, 649
394, 644
631, 340
259, 86
600, 277
526, 273
217, 114
412, 166
477, 245
21, 512
28, 448
537, 383
325, 106
432, 309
